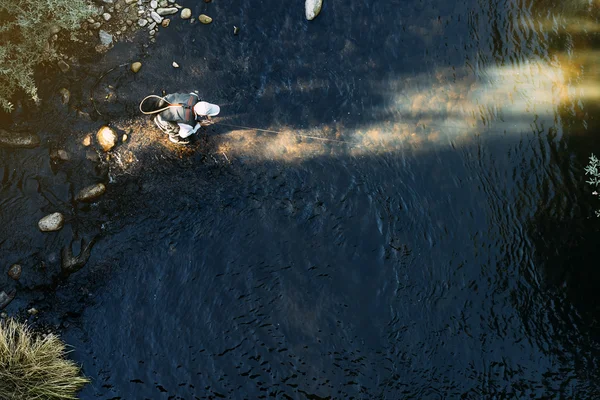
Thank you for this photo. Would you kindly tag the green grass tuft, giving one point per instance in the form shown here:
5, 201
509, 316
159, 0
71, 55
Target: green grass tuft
34, 367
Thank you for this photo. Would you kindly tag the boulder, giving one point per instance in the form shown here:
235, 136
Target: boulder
135, 67
312, 8
19, 140
186, 13
91, 193
107, 138
52, 222
205, 19
15, 271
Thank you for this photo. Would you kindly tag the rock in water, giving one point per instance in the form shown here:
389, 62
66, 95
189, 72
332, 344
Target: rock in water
51, 223
135, 67
107, 138
205, 19
19, 140
167, 11
71, 263
15, 271
91, 193
186, 13
313, 8
6, 298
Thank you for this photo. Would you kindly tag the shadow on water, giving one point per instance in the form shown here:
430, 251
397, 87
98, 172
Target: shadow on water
449, 254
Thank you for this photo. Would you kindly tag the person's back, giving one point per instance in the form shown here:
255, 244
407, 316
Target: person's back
183, 115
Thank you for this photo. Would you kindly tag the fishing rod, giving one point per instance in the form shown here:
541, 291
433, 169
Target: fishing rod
290, 133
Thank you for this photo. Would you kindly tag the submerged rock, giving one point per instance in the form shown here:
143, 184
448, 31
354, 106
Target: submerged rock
135, 67
71, 263
65, 95
52, 222
64, 67
107, 138
6, 298
175, 65
165, 22
15, 271
20, 140
313, 8
205, 19
91, 193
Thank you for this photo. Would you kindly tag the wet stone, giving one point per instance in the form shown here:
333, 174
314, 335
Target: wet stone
165, 22
65, 95
186, 13
52, 222
167, 11
6, 298
135, 67
91, 193
205, 19
15, 272
142, 22
152, 26
107, 138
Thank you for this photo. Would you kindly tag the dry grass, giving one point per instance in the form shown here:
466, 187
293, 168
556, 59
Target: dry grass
34, 367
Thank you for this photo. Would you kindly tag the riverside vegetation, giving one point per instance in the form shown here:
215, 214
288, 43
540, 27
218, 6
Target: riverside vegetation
34, 367
25, 40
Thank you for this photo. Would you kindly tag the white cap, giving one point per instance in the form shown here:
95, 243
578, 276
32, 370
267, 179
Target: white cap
204, 108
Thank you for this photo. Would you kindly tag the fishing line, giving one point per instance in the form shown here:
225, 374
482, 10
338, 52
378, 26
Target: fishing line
290, 133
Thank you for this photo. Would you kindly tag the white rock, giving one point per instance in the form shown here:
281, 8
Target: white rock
313, 8
106, 16
52, 222
105, 38
129, 1
175, 65
154, 4
156, 17
142, 22
152, 32
186, 13
107, 138
108, 1
91, 193
152, 25
167, 11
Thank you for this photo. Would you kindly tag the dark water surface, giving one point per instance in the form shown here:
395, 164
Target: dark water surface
450, 254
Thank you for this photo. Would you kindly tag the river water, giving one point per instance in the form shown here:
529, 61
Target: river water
441, 245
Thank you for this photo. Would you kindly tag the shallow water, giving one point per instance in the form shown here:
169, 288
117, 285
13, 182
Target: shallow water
444, 249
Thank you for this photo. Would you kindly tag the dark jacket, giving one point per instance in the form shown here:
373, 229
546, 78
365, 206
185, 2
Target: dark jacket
181, 110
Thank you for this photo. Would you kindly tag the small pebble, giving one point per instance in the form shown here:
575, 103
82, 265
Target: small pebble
142, 22
106, 16
32, 311
165, 22
175, 65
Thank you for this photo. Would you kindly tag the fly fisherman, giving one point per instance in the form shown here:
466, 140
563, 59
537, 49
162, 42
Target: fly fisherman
183, 114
